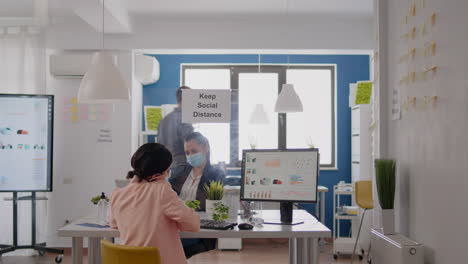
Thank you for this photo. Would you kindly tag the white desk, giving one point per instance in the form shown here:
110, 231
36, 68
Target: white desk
303, 238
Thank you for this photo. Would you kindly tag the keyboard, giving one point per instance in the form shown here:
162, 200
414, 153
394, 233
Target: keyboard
218, 225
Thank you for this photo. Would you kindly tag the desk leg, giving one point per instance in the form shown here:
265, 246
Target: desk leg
313, 250
77, 250
322, 207
300, 251
292, 250
94, 250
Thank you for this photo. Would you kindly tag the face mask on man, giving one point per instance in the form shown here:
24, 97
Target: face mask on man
195, 160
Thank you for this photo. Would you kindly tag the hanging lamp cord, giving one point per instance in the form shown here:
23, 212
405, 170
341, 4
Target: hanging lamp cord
103, 32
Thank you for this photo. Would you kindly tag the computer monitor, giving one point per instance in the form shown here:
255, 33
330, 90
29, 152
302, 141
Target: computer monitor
286, 176
26, 137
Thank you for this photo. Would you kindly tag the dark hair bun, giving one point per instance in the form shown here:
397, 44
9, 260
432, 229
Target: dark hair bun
150, 159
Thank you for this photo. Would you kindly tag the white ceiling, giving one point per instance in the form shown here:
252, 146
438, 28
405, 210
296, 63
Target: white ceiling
262, 7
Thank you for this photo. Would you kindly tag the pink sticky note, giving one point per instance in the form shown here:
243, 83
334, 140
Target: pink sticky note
103, 108
103, 117
84, 108
65, 100
83, 116
64, 117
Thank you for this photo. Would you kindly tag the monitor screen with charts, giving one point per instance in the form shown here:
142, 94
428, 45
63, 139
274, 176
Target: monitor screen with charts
26, 125
280, 175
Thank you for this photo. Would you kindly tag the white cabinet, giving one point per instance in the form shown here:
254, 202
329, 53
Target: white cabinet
361, 159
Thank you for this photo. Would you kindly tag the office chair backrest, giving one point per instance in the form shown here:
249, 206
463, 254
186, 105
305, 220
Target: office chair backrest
120, 254
363, 190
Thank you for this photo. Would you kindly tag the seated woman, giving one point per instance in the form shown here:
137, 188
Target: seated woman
148, 212
188, 182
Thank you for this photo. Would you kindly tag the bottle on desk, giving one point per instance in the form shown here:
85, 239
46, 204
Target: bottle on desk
103, 206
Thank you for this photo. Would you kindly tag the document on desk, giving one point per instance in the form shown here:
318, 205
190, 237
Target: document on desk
93, 225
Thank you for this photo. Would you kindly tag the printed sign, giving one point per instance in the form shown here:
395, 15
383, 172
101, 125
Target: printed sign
206, 106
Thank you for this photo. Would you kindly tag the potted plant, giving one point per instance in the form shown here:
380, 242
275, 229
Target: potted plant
385, 180
214, 192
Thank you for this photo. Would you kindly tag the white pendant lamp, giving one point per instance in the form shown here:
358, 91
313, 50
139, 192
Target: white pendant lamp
103, 82
259, 116
288, 101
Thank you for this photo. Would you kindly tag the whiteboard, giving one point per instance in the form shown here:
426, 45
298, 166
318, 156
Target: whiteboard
26, 123
280, 175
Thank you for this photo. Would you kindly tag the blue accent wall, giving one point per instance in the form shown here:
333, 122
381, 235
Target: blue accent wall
349, 69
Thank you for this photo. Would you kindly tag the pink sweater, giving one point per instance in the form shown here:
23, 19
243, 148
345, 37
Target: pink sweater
151, 215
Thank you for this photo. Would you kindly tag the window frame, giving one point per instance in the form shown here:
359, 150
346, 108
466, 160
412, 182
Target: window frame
281, 70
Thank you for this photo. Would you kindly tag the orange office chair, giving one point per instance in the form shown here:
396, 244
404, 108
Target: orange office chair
363, 194
120, 254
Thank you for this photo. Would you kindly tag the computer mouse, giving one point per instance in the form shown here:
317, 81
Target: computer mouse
245, 226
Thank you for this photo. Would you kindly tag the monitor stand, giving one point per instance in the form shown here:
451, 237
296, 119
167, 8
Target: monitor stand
286, 211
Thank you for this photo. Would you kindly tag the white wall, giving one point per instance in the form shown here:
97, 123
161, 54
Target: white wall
298, 32
90, 166
431, 144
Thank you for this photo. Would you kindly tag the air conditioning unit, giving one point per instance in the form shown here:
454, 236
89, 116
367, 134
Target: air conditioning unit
71, 65
395, 249
146, 69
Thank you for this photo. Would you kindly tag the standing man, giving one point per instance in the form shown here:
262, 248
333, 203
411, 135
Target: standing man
172, 132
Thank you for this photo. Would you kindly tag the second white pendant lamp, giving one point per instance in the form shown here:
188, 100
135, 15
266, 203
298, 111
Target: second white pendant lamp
103, 82
288, 101
259, 116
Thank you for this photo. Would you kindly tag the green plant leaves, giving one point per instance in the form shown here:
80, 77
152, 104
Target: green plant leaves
214, 190
385, 180
195, 204
221, 212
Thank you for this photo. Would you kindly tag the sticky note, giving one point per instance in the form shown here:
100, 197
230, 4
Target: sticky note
74, 100
74, 118
83, 116
74, 109
103, 117
153, 116
364, 92
92, 117
84, 108
92, 109
103, 109
64, 117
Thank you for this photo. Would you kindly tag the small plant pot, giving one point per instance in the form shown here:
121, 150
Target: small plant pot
388, 221
210, 206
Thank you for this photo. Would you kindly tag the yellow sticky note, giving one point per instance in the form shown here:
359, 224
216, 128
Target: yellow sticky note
74, 118
92, 109
153, 116
74, 100
74, 109
364, 92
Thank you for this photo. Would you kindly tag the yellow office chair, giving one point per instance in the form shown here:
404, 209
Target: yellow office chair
363, 194
120, 254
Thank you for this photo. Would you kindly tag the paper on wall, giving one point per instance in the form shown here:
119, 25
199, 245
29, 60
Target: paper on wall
364, 92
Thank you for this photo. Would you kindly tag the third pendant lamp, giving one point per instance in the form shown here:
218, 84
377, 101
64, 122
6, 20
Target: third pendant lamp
288, 101
103, 82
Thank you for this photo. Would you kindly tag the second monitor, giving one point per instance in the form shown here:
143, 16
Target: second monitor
288, 175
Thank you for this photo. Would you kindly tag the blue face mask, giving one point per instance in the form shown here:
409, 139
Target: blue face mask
196, 160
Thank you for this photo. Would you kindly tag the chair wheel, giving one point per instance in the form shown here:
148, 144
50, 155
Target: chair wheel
41, 252
361, 257
58, 259
335, 256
